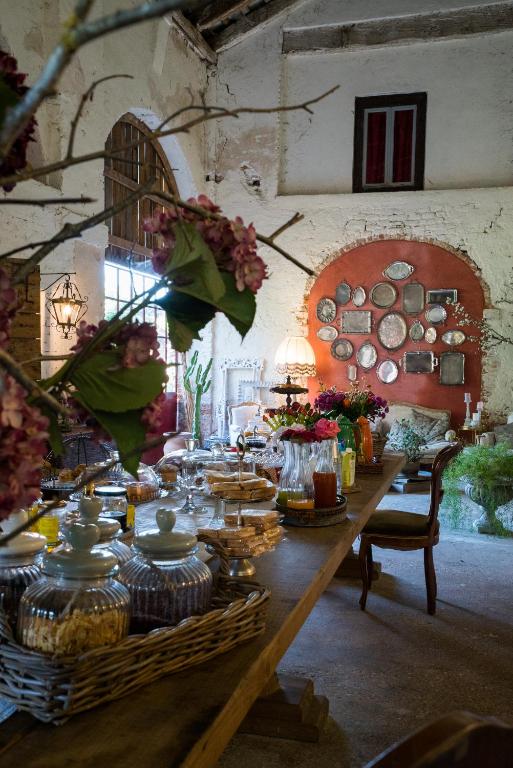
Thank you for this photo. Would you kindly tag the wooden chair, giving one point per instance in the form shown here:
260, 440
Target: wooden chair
396, 529
458, 740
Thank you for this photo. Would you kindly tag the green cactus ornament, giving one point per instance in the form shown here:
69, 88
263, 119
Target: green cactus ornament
196, 383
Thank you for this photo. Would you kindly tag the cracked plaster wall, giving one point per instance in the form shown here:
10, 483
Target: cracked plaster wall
476, 219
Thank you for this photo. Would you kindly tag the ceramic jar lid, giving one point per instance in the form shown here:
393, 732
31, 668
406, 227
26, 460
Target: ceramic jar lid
164, 542
26, 544
89, 510
81, 561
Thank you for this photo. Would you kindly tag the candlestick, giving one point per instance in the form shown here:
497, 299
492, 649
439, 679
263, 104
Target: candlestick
480, 406
467, 399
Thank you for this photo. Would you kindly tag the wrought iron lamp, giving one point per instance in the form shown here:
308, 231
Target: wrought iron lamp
294, 358
66, 305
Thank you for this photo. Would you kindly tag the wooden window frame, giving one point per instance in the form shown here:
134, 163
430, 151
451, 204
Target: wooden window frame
362, 104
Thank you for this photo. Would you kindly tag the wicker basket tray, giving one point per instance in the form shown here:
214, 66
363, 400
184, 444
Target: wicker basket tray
53, 689
378, 446
314, 518
376, 468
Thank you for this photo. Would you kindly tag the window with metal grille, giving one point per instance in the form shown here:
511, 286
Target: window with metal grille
389, 142
128, 268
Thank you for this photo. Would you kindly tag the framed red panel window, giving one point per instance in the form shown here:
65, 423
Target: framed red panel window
389, 142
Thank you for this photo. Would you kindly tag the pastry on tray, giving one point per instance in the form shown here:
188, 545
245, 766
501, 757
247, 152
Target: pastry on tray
247, 487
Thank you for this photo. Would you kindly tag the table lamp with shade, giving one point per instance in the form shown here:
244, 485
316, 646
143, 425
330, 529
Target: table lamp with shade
295, 359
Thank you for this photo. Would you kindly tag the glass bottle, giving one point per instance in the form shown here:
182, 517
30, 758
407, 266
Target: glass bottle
366, 447
286, 471
325, 476
20, 564
76, 605
114, 502
301, 494
166, 581
347, 432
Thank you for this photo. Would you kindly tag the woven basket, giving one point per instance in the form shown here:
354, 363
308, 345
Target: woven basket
53, 689
376, 468
378, 446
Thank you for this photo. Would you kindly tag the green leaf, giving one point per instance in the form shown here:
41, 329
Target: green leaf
128, 432
238, 306
8, 98
104, 384
54, 433
186, 316
193, 267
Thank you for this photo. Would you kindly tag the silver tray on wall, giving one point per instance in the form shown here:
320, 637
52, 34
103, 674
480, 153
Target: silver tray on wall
387, 372
327, 333
416, 332
454, 338
436, 314
442, 296
398, 270
367, 355
383, 295
413, 298
342, 293
326, 310
356, 321
359, 296
431, 335
342, 349
419, 362
392, 330
452, 368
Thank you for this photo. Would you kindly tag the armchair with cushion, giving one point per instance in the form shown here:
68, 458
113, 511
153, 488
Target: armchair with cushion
432, 422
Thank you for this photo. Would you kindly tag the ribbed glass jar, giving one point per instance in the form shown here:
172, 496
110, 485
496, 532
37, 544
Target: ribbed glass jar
165, 590
68, 616
16, 574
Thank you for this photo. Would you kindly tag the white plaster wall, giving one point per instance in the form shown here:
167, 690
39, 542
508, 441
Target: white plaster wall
165, 73
471, 151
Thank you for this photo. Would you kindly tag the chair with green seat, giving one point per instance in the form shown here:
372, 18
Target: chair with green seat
395, 529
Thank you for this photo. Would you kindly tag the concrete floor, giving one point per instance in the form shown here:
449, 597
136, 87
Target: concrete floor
390, 670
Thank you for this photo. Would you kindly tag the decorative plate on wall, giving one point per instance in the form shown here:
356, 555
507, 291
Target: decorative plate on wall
392, 330
383, 295
430, 335
356, 321
416, 332
398, 270
342, 349
367, 355
359, 296
343, 293
326, 310
387, 371
419, 362
327, 333
453, 338
436, 314
413, 298
452, 368
442, 296
352, 372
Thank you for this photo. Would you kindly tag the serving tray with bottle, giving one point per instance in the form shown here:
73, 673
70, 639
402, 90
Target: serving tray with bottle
314, 517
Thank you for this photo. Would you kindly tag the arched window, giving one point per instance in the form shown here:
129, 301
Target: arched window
128, 269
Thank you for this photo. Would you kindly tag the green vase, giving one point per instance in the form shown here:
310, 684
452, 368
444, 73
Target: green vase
347, 432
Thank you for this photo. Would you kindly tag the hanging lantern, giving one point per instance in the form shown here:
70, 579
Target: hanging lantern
66, 306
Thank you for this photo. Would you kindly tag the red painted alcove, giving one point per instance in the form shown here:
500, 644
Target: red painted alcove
435, 267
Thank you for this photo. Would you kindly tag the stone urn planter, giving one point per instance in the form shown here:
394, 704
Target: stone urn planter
489, 499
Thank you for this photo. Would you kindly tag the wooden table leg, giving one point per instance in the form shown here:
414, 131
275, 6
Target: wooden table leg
287, 709
350, 567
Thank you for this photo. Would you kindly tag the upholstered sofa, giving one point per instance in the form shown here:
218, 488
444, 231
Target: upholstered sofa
433, 422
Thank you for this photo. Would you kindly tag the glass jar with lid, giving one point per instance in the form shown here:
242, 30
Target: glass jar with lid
76, 605
166, 581
114, 502
20, 564
110, 529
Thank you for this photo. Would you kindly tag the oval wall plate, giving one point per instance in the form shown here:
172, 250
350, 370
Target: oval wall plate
387, 372
398, 270
367, 355
326, 310
431, 335
454, 338
436, 314
416, 331
359, 296
352, 372
383, 295
342, 293
342, 349
327, 333
392, 330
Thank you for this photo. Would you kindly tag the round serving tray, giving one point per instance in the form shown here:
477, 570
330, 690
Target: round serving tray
314, 518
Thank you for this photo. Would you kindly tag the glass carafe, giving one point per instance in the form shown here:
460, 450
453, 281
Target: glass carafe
285, 474
301, 494
325, 476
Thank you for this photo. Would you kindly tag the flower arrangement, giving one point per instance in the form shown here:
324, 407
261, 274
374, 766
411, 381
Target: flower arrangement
323, 429
351, 404
288, 415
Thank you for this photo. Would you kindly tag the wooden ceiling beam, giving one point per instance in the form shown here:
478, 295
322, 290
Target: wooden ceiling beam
250, 22
193, 37
475, 20
220, 11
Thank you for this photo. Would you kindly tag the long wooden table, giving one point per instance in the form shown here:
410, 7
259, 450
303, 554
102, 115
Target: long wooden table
188, 718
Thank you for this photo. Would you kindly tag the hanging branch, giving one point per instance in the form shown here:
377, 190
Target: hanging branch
46, 201
9, 364
77, 34
72, 230
210, 113
295, 219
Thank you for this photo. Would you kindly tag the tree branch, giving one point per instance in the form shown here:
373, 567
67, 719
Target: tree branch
87, 96
72, 230
77, 34
211, 113
46, 201
34, 390
295, 219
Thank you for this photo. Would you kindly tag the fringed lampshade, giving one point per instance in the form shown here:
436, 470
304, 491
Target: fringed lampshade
295, 357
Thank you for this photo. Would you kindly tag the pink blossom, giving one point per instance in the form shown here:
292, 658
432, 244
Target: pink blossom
325, 429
